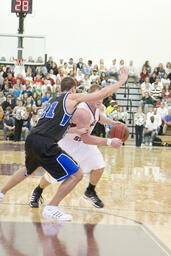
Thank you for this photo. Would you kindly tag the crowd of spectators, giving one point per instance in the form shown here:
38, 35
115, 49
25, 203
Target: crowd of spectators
154, 115
24, 91
155, 122
155, 85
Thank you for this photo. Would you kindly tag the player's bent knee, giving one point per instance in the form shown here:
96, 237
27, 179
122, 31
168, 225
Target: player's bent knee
44, 183
98, 170
101, 170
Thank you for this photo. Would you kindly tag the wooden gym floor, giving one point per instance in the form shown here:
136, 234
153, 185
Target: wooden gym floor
136, 220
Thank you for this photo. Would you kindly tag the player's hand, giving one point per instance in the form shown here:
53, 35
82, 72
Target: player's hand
116, 143
83, 131
117, 122
123, 74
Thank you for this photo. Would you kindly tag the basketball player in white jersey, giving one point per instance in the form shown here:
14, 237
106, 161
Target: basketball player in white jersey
83, 148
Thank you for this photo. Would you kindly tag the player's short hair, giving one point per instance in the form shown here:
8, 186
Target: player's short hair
94, 87
67, 83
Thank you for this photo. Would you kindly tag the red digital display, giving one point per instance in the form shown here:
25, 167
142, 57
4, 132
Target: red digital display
24, 6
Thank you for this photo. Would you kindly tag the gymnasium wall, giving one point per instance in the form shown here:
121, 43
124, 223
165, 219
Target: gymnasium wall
94, 29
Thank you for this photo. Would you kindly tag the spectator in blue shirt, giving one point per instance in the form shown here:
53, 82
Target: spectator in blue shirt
85, 70
46, 97
16, 91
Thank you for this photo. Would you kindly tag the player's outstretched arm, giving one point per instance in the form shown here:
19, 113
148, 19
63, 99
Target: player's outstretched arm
104, 93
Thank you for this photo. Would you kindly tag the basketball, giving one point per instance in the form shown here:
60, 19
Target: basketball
120, 131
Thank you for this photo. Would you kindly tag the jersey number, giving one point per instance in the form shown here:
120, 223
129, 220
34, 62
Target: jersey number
49, 110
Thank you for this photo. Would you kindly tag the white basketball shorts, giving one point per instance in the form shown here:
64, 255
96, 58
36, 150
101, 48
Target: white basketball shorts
87, 156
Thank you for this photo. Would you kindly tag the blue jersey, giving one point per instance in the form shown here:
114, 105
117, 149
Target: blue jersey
55, 120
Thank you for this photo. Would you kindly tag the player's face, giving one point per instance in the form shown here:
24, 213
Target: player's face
96, 104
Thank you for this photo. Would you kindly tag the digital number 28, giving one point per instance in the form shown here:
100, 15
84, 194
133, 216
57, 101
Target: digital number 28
24, 4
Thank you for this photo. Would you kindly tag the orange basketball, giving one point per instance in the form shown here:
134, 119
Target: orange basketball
120, 131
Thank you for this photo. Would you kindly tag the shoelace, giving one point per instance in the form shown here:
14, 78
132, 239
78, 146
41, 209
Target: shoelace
36, 198
94, 197
55, 213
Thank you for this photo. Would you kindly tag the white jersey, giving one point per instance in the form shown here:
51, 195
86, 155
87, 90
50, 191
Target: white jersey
94, 119
87, 156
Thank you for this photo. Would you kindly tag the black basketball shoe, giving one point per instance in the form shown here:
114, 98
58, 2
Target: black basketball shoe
35, 199
93, 197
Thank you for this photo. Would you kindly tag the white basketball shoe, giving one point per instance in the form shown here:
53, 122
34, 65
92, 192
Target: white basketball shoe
1, 196
53, 212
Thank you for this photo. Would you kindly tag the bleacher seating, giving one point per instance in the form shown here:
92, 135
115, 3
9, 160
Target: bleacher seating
128, 97
167, 137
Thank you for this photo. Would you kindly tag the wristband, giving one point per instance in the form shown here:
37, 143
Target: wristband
109, 142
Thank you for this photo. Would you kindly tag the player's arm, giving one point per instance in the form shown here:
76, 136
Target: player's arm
105, 92
74, 99
79, 131
83, 121
105, 120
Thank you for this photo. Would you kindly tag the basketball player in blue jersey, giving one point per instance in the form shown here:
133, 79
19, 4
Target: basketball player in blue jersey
41, 146
83, 149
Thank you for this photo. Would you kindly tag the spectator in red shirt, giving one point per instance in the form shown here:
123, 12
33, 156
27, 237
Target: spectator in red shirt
143, 75
48, 77
22, 80
38, 80
11, 80
158, 102
60, 74
166, 93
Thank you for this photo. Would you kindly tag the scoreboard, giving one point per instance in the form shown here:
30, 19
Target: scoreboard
21, 6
